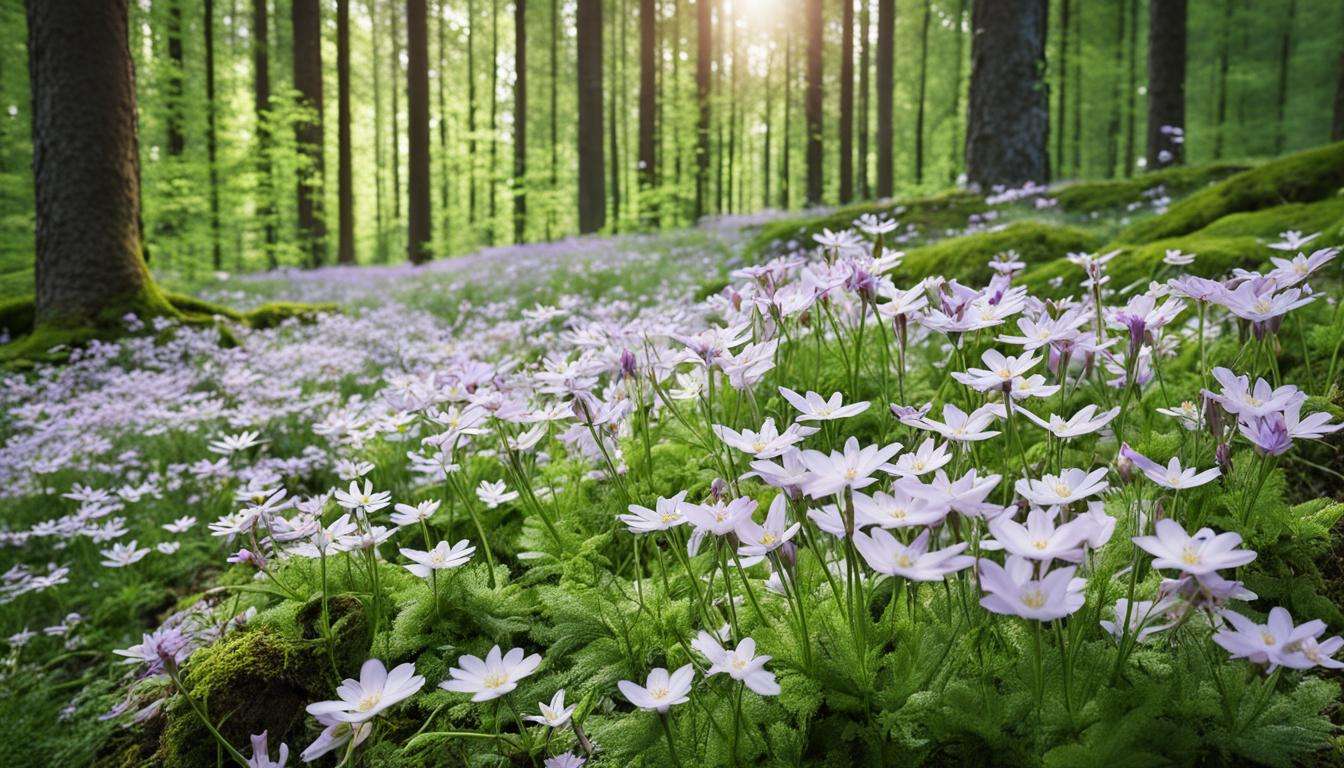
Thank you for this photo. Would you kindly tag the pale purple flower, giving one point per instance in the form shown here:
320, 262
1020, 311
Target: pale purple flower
1012, 590
494, 676
741, 663
1202, 553
660, 691
375, 690
915, 562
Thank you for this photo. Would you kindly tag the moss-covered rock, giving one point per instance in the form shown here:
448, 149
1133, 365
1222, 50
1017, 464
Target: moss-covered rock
16, 315
248, 683
966, 258
351, 638
1300, 178
1093, 196
277, 312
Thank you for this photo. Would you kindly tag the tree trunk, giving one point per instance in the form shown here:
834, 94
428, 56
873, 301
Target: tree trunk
955, 155
1220, 101
1285, 57
769, 129
176, 70
345, 194
261, 100
445, 177
886, 85
648, 168
1337, 124
211, 134
592, 192
1117, 94
614, 161
419, 231
1062, 62
380, 231
304, 14
1166, 82
785, 153
704, 42
551, 222
86, 173
394, 80
1131, 87
471, 112
492, 174
520, 121
923, 86
846, 101
1076, 129
812, 103
1009, 113
863, 187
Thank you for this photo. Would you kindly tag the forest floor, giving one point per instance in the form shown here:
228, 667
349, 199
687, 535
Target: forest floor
104, 457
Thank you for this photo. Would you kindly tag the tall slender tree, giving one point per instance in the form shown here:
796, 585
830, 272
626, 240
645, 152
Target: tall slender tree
648, 164
345, 193
865, 93
551, 221
954, 117
492, 174
307, 29
1009, 113
1220, 100
176, 75
1117, 105
614, 161
704, 43
846, 121
1062, 85
1166, 82
812, 102
212, 133
886, 88
445, 176
1337, 122
261, 101
89, 267
419, 232
1281, 92
471, 112
786, 152
394, 81
380, 229
592, 194
520, 121
922, 91
1131, 87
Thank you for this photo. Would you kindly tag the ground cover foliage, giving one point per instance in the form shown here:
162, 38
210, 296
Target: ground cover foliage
976, 552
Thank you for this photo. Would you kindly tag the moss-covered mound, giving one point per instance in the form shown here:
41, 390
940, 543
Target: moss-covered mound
1094, 196
967, 258
936, 213
1300, 178
29, 344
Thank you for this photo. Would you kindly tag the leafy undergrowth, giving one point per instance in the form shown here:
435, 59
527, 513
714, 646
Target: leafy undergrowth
641, 478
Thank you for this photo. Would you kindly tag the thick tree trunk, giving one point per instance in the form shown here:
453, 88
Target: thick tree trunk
307, 27
846, 101
261, 100
419, 232
520, 121
592, 192
211, 133
1166, 82
704, 43
923, 87
1009, 112
886, 85
86, 174
648, 105
864, 188
812, 102
345, 194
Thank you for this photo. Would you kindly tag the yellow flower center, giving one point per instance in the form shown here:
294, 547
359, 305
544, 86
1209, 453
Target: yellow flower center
1033, 598
495, 680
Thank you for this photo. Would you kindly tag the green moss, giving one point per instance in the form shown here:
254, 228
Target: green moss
194, 306
966, 258
16, 315
349, 629
1091, 196
248, 683
935, 213
277, 312
1324, 216
1303, 177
